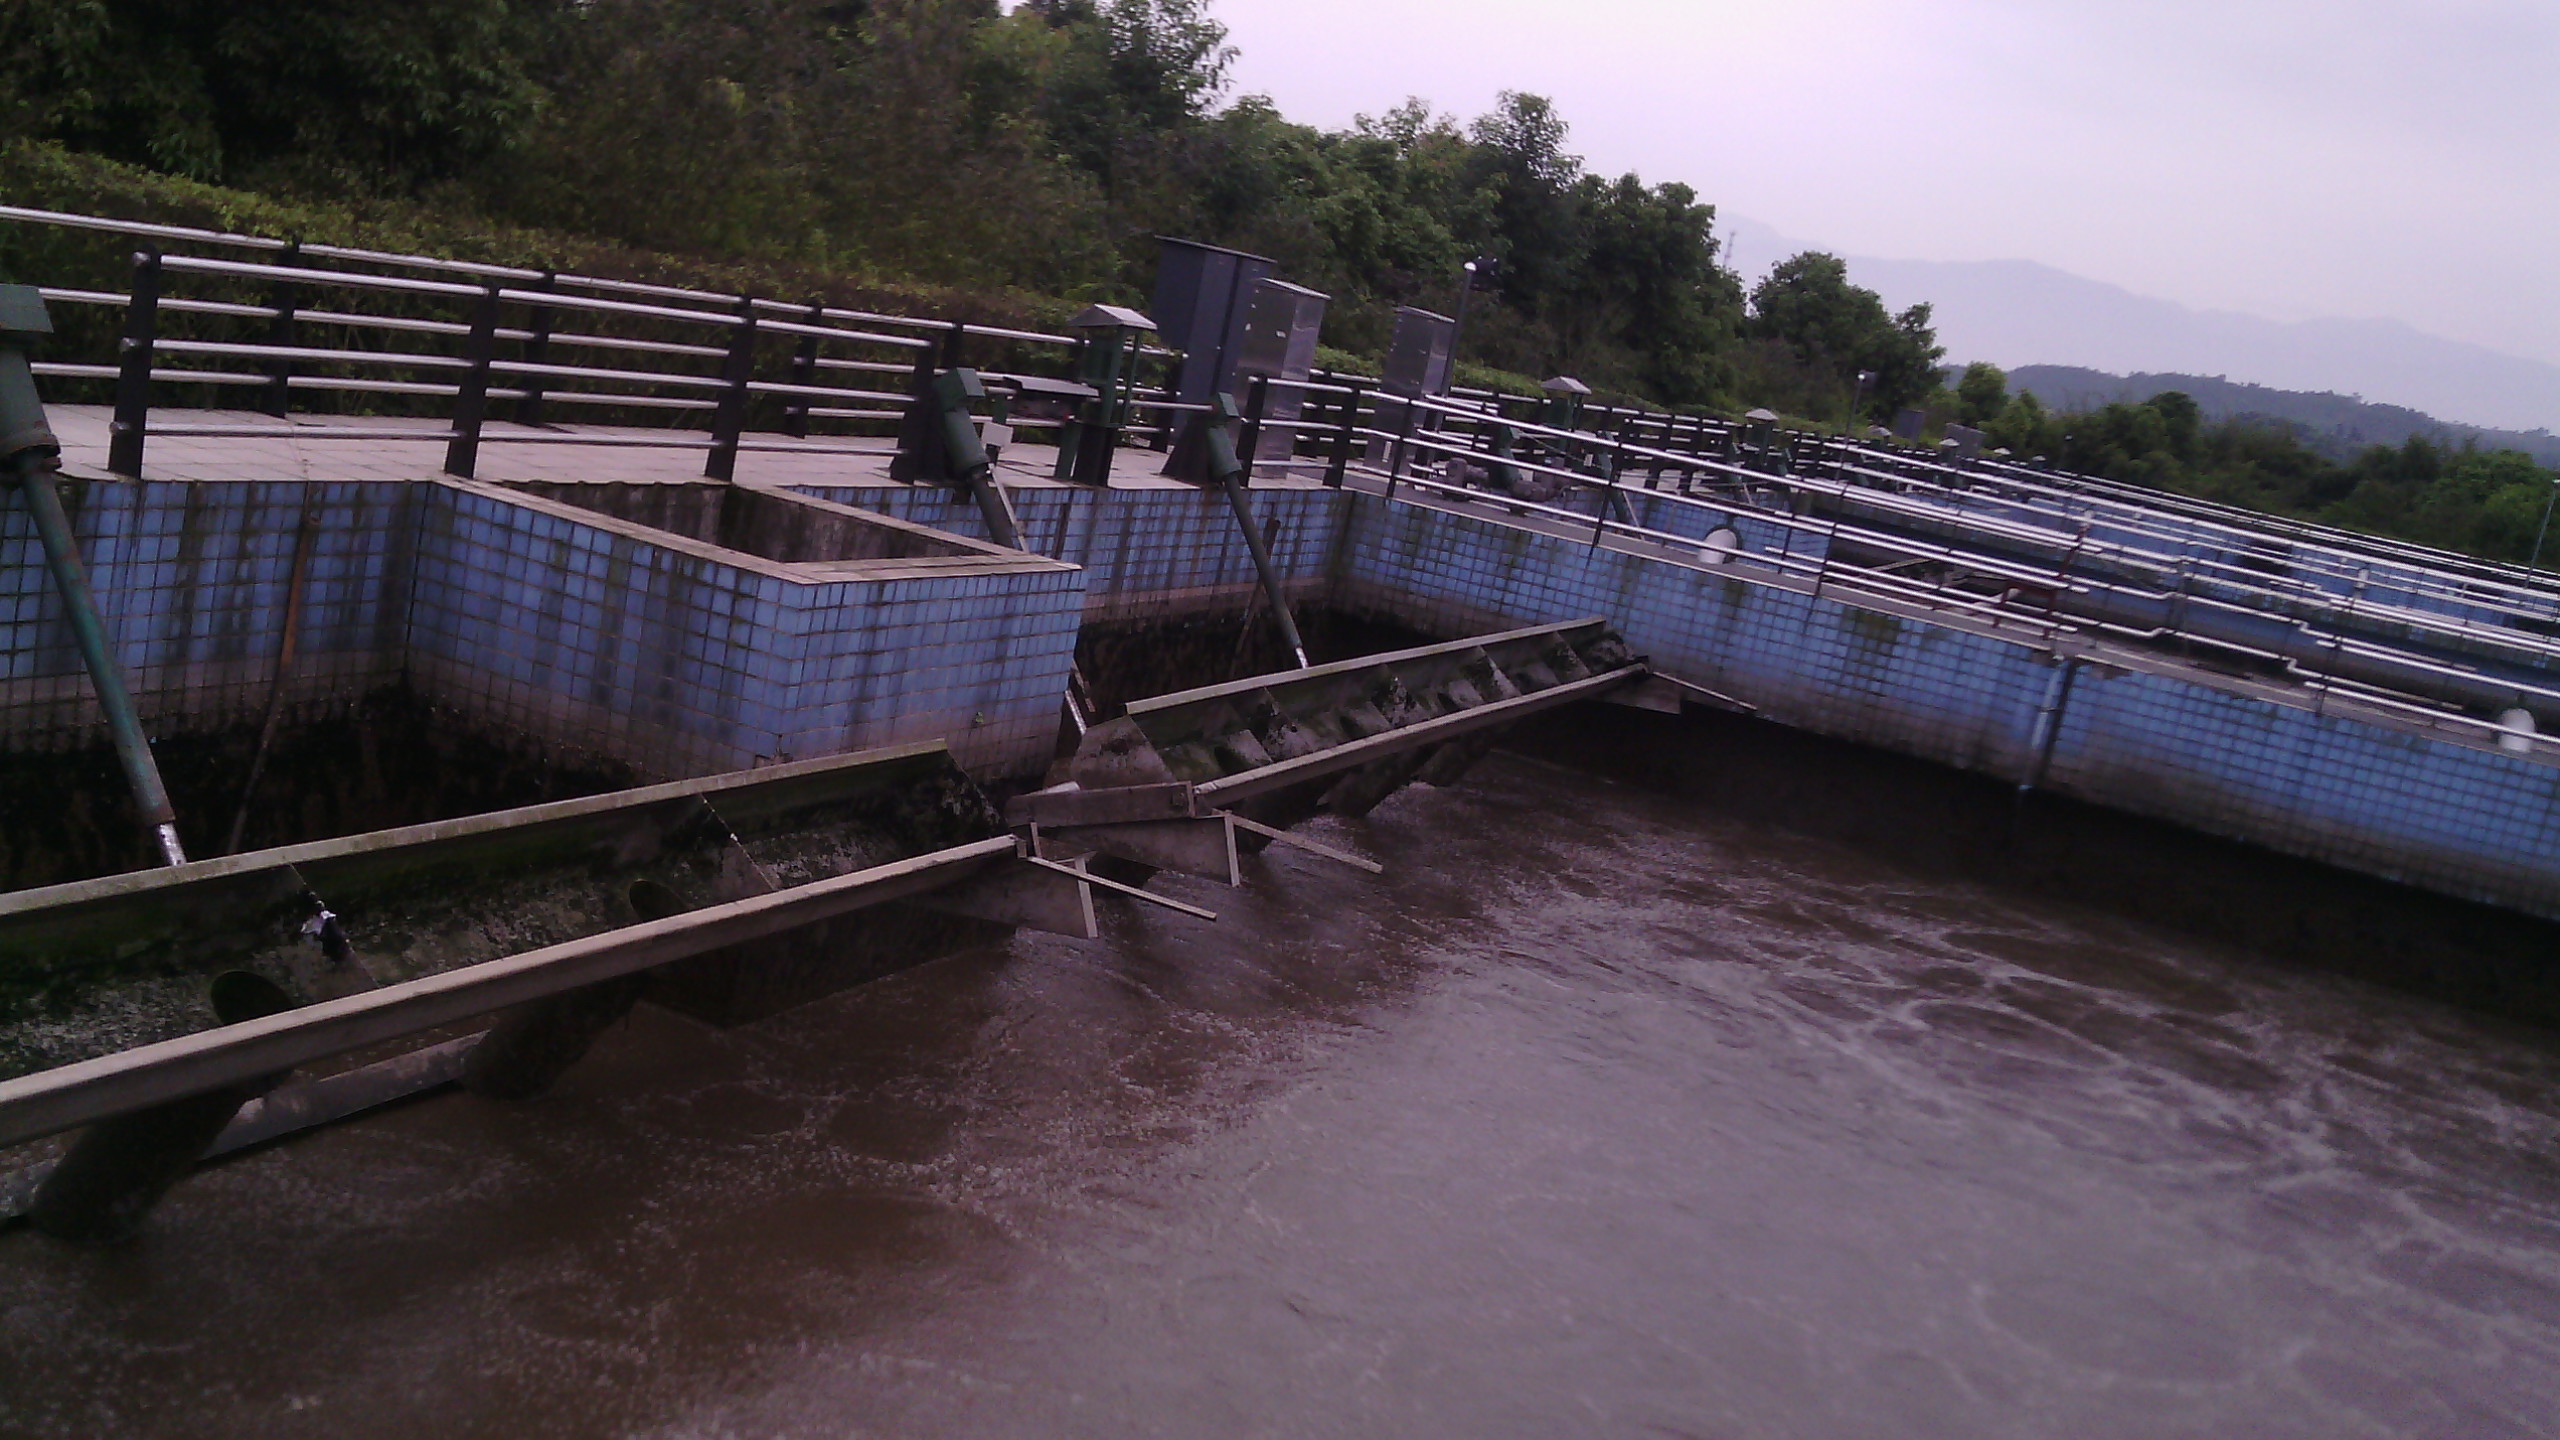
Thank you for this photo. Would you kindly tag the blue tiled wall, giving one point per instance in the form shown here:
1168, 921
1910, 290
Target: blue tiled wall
685, 663
2461, 819
192, 581
584, 634
1144, 552
2472, 822
589, 633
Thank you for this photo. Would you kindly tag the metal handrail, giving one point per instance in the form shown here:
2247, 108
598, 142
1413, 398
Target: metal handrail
2036, 510
297, 274
291, 266
2323, 603
2322, 616
1841, 576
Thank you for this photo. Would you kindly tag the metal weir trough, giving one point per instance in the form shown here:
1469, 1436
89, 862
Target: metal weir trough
725, 898
1185, 780
728, 898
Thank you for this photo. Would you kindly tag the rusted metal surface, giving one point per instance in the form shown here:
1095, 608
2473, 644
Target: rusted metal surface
1254, 738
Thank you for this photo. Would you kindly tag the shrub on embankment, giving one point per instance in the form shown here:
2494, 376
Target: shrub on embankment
43, 175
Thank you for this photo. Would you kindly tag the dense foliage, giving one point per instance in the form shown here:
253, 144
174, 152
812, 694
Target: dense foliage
943, 140
1816, 334
2486, 502
1040, 148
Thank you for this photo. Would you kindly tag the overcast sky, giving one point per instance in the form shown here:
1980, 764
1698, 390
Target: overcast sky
2284, 158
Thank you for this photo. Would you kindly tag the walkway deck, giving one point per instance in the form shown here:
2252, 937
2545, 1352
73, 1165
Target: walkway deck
592, 454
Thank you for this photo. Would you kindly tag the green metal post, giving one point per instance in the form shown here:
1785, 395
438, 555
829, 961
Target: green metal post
966, 453
30, 455
1501, 442
1227, 472
62, 554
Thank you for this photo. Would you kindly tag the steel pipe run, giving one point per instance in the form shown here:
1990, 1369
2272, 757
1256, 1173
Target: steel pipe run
2480, 670
29, 454
2167, 618
133, 748
2519, 654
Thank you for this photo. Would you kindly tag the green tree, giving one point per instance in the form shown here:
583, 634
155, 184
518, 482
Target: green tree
1831, 330
2023, 428
1520, 161
1648, 287
1132, 73
1982, 393
2179, 413
338, 92
963, 141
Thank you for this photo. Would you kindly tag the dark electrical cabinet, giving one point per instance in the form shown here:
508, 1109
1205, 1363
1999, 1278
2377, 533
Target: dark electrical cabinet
1200, 302
1418, 358
1280, 329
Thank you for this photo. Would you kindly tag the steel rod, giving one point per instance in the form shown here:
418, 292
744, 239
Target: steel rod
306, 536
71, 580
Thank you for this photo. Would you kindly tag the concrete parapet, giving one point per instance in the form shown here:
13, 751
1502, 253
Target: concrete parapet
674, 653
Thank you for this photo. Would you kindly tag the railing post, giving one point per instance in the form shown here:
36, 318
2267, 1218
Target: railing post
1168, 421
471, 403
2338, 640
1249, 445
537, 351
133, 375
1613, 504
284, 298
919, 454
1501, 442
1396, 452
1346, 439
730, 420
804, 371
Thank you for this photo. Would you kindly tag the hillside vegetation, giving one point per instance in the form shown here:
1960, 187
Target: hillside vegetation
2489, 503
2340, 427
966, 159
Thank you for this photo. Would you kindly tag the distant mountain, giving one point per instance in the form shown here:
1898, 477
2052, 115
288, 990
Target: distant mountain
2336, 425
2017, 313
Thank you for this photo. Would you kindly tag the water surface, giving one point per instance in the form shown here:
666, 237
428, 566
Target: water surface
1593, 1117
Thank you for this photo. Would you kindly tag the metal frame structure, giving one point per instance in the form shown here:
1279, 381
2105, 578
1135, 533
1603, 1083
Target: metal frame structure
2456, 643
2463, 642
406, 330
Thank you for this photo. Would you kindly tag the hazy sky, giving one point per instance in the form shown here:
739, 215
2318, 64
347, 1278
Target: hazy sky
2286, 158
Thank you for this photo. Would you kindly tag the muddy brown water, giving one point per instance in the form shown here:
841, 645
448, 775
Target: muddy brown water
1593, 1117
